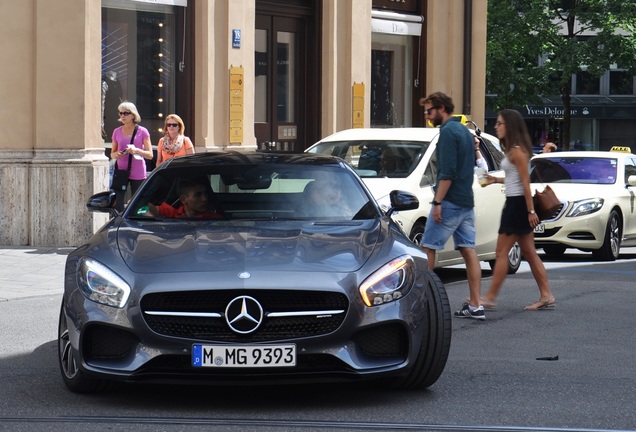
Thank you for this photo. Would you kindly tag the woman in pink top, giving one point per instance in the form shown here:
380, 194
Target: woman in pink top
122, 150
174, 142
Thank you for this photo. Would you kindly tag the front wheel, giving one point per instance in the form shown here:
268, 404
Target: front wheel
76, 380
514, 259
436, 340
612, 243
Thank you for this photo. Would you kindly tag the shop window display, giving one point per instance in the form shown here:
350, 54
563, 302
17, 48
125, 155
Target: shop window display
138, 61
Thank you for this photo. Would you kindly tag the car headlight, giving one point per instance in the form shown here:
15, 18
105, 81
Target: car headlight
585, 207
101, 285
391, 282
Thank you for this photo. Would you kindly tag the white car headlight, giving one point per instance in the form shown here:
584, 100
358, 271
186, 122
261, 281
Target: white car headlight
391, 282
101, 285
585, 207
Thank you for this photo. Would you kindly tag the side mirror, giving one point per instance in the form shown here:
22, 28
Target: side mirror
631, 180
401, 200
103, 202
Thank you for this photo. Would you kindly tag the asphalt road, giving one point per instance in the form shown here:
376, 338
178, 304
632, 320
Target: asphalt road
571, 368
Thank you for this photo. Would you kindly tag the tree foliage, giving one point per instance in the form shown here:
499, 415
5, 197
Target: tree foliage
535, 47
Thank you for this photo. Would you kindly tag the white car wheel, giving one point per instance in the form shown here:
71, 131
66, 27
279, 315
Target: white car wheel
612, 244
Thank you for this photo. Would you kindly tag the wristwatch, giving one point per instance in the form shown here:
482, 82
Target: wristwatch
532, 212
436, 203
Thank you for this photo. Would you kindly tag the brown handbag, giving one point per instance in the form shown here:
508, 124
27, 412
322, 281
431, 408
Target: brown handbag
546, 203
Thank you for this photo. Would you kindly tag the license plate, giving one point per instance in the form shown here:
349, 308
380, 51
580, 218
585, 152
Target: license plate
539, 228
254, 356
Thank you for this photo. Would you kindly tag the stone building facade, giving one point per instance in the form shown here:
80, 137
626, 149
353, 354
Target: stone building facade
244, 74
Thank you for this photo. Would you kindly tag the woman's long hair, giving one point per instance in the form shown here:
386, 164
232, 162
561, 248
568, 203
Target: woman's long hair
516, 132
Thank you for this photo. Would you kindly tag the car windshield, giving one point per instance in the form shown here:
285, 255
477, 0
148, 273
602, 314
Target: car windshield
566, 169
253, 191
395, 159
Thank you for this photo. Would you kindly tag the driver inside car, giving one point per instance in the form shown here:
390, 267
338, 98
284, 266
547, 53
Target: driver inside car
193, 200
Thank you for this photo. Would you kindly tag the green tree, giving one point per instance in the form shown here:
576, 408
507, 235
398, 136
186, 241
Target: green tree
536, 46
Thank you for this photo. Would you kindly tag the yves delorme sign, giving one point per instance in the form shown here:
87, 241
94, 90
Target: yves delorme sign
555, 111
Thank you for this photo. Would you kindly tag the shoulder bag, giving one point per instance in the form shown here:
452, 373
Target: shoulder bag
120, 176
546, 203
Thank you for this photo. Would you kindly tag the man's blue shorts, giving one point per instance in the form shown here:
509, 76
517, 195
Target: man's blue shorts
456, 221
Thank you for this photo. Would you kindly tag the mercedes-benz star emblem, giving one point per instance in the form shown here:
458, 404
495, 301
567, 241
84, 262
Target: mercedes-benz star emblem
244, 314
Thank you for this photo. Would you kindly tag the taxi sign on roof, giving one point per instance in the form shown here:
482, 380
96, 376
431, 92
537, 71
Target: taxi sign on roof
621, 149
462, 118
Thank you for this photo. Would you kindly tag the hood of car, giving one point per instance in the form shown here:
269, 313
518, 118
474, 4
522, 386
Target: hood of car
201, 247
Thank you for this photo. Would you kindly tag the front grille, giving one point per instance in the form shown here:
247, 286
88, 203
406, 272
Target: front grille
216, 328
389, 340
555, 214
107, 343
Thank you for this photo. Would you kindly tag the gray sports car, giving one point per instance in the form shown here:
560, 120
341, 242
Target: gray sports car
253, 267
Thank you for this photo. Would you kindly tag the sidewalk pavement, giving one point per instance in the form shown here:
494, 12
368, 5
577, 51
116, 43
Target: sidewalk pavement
31, 271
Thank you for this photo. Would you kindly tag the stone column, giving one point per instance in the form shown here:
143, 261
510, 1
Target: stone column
215, 21
54, 158
346, 59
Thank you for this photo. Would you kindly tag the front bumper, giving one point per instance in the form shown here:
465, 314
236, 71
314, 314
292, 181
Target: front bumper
124, 344
582, 232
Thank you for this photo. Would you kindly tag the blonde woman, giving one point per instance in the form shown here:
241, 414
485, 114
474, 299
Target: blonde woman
174, 142
127, 148
518, 217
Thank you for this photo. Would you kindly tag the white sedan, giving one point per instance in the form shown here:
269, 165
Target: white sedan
404, 159
597, 192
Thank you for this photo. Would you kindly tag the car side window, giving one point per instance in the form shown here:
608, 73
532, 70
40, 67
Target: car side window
430, 173
630, 168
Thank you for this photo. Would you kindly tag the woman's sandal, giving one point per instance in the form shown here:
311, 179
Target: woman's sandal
542, 304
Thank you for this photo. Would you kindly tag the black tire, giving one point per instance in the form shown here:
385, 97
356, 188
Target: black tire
554, 251
514, 259
612, 244
417, 232
76, 380
436, 341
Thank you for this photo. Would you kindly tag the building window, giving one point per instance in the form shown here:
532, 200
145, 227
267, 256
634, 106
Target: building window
138, 61
621, 83
586, 84
392, 79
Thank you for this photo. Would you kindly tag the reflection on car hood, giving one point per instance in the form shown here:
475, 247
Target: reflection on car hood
200, 247
574, 191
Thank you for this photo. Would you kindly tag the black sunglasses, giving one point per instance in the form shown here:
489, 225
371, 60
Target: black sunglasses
428, 111
172, 124
124, 113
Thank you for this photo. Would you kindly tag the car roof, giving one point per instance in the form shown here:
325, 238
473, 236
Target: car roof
249, 157
584, 154
382, 134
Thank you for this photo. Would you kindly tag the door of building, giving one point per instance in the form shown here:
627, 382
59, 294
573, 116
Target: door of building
280, 70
